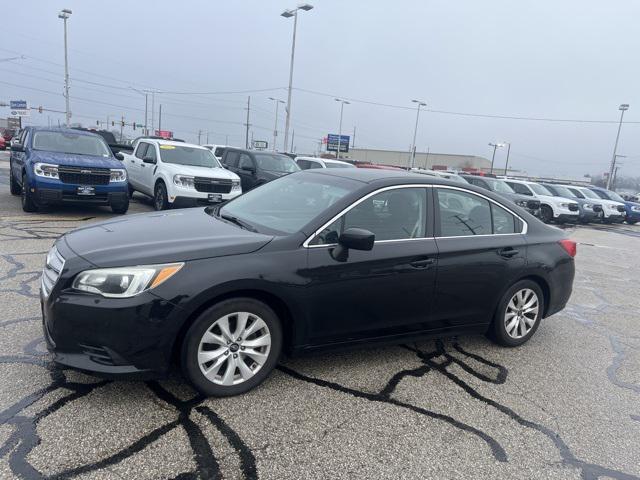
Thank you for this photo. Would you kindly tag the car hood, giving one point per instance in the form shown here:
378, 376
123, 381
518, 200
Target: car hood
206, 172
273, 174
73, 160
161, 237
550, 199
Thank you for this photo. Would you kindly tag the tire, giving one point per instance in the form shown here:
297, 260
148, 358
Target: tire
160, 200
120, 208
632, 222
131, 190
28, 203
13, 185
505, 330
546, 214
221, 380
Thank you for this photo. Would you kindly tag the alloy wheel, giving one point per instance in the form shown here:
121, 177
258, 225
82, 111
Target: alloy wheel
234, 348
521, 313
159, 198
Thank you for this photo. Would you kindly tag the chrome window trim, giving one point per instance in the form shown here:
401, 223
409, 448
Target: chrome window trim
525, 225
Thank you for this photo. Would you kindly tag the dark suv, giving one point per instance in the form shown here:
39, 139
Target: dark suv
503, 189
256, 167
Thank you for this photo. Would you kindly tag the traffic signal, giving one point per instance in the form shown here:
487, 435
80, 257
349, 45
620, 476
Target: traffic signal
98, 122
40, 109
134, 126
113, 123
122, 123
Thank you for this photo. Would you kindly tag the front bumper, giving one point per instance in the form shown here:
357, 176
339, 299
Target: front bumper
52, 191
566, 217
588, 216
186, 197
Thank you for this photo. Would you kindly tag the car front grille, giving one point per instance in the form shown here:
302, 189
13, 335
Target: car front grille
573, 207
212, 185
620, 208
51, 272
533, 204
84, 176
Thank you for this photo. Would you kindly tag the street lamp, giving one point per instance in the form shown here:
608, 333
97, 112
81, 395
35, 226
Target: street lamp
64, 15
342, 104
495, 146
415, 132
275, 127
288, 14
623, 108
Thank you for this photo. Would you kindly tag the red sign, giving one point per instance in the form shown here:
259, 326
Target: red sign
164, 133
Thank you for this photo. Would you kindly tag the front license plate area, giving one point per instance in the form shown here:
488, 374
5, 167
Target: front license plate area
215, 197
86, 190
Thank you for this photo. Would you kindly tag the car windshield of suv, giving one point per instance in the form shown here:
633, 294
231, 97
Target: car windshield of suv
184, 155
285, 205
276, 163
72, 143
563, 191
499, 186
539, 189
589, 194
614, 196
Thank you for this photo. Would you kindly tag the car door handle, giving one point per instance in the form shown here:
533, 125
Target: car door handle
424, 263
508, 252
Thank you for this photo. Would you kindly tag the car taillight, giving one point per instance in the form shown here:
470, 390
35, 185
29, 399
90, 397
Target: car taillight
569, 246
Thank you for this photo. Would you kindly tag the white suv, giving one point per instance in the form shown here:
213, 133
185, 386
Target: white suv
306, 163
559, 209
612, 211
178, 174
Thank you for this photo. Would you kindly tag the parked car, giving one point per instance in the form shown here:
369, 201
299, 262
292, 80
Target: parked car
178, 174
441, 174
51, 166
374, 166
306, 163
612, 212
558, 209
218, 150
256, 167
503, 189
313, 260
631, 209
3, 143
110, 138
589, 210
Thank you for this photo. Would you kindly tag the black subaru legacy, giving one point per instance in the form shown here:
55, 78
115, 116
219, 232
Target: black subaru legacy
316, 259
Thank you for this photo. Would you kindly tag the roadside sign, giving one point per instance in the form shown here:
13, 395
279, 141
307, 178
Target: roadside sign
332, 143
260, 144
164, 133
19, 108
14, 123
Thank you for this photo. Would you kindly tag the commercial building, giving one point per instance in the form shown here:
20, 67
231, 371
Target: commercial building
435, 161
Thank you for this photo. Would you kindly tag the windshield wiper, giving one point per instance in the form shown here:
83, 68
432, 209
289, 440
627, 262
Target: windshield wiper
238, 222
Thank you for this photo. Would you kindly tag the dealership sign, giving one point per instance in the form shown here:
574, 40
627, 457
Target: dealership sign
19, 108
164, 133
260, 144
332, 142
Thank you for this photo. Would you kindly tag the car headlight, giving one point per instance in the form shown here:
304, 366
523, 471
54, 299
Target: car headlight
521, 203
184, 181
235, 185
564, 205
45, 170
118, 175
124, 282
635, 209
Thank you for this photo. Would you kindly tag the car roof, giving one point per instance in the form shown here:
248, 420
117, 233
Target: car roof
371, 175
70, 131
174, 143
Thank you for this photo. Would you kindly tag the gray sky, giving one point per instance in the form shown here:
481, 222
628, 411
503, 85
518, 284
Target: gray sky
574, 59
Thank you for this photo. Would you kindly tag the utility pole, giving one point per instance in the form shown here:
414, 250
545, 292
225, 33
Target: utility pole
506, 165
426, 160
246, 135
493, 157
275, 127
153, 109
64, 15
353, 139
207, 138
623, 108
121, 127
146, 130
293, 135
412, 158
160, 118
342, 104
199, 133
226, 139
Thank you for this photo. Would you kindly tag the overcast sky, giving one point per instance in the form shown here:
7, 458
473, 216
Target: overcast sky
570, 59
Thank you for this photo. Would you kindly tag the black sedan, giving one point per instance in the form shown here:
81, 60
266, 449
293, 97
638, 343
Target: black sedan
316, 259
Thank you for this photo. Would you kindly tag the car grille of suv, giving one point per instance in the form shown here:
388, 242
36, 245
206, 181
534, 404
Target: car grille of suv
212, 185
51, 272
620, 208
84, 176
533, 204
573, 207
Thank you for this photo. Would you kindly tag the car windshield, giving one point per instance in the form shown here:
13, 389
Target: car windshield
276, 163
72, 143
338, 165
285, 205
499, 186
539, 189
563, 191
589, 194
614, 196
184, 155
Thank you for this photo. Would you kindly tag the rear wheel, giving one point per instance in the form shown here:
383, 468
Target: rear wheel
232, 347
160, 201
28, 203
518, 314
546, 214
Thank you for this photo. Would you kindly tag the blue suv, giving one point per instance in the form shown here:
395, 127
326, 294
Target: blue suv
632, 209
58, 165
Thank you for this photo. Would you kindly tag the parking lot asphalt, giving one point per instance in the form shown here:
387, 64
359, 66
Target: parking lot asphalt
566, 405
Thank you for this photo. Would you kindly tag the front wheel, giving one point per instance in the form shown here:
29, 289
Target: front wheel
546, 214
632, 222
160, 201
120, 208
28, 203
14, 188
232, 347
518, 314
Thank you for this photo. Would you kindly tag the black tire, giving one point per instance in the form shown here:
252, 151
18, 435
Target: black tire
191, 344
160, 200
546, 214
131, 190
28, 203
498, 329
13, 185
120, 208
632, 222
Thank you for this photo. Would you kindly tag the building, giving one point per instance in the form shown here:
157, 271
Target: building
435, 161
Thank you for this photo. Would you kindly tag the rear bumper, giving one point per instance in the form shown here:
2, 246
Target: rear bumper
560, 281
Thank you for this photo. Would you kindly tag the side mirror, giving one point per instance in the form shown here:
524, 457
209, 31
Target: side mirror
17, 147
149, 160
354, 239
248, 168
119, 156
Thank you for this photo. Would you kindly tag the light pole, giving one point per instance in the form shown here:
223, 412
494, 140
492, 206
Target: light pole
493, 157
506, 165
288, 14
342, 104
615, 172
64, 15
146, 103
275, 127
623, 108
412, 157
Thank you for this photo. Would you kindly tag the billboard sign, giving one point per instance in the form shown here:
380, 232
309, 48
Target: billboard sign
332, 143
164, 133
14, 123
260, 144
19, 108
